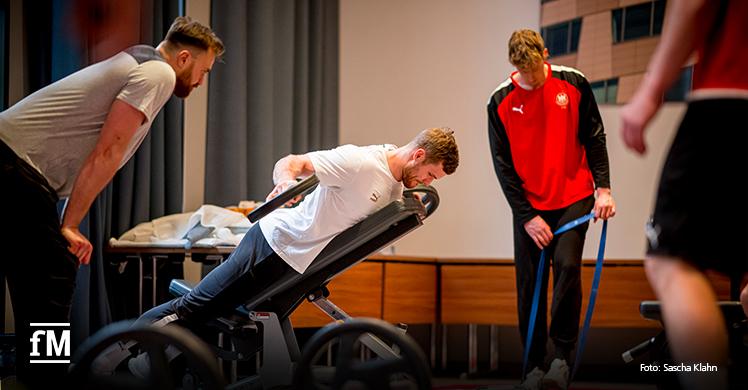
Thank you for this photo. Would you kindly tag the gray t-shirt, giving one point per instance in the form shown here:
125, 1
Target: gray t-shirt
56, 128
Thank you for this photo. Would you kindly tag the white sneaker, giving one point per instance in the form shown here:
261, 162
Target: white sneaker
557, 377
108, 360
140, 366
532, 381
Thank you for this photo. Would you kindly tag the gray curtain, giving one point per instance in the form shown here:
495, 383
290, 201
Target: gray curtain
147, 187
276, 93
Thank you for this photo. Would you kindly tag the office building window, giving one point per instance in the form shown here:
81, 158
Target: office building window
562, 38
658, 17
605, 91
681, 87
638, 21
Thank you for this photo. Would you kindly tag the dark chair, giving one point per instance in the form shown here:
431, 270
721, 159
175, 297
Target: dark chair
659, 353
262, 323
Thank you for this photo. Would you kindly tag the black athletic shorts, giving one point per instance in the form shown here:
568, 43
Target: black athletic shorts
701, 213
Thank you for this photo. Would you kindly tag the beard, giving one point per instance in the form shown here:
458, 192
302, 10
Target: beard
409, 177
182, 88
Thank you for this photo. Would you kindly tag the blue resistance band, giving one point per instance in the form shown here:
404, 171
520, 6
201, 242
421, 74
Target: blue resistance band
593, 294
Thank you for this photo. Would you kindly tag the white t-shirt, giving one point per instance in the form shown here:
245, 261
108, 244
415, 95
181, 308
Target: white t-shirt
55, 128
354, 182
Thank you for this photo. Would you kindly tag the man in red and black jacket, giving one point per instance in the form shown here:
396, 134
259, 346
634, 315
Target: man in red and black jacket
548, 146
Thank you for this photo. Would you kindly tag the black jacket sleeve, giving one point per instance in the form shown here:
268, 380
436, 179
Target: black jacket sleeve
510, 181
592, 135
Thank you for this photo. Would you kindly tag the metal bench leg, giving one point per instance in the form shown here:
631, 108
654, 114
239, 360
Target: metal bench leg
432, 346
444, 346
280, 350
494, 340
472, 348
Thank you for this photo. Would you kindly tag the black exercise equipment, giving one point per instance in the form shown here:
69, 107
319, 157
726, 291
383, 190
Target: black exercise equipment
262, 323
406, 369
201, 368
281, 199
657, 347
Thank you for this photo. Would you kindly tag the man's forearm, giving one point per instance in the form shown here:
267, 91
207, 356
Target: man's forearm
291, 167
597, 160
515, 195
103, 162
97, 172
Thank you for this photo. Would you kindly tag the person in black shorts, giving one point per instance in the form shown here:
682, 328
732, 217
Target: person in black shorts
700, 213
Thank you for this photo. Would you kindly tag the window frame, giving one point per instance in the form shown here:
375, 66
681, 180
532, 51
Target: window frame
607, 84
684, 80
619, 33
569, 25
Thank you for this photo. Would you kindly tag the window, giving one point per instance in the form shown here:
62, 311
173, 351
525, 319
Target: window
617, 24
562, 38
659, 16
576, 30
556, 38
681, 87
638, 21
605, 91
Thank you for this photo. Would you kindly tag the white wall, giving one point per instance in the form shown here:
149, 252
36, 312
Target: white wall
195, 123
408, 65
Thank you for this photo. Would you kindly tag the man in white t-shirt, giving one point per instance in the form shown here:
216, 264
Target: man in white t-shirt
67, 140
354, 182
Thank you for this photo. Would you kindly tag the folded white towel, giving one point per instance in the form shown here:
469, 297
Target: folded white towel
172, 230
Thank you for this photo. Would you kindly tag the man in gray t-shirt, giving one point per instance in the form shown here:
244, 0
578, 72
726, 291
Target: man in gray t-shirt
67, 140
